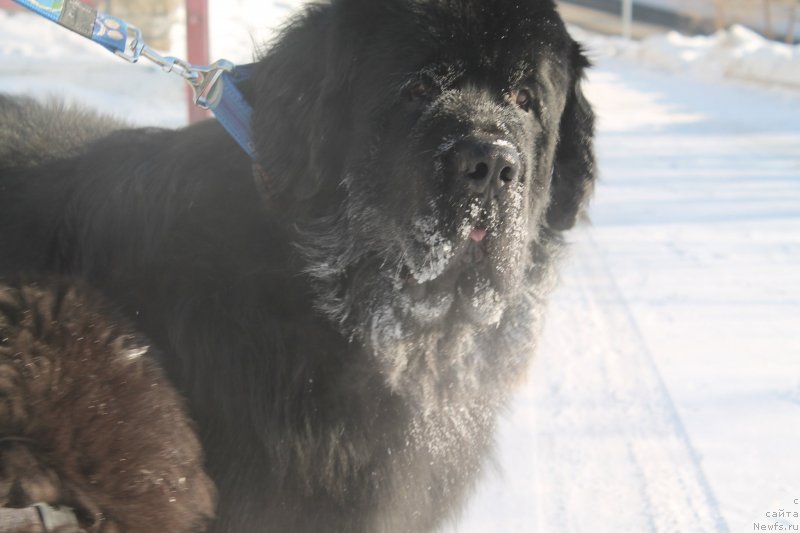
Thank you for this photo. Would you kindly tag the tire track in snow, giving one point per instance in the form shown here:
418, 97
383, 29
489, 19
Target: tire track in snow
610, 449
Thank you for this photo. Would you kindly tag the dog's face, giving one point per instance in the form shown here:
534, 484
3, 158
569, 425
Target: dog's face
446, 133
451, 148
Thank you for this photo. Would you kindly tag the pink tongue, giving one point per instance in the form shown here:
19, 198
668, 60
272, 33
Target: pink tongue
477, 234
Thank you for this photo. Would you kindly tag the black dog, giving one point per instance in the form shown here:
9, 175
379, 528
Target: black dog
348, 318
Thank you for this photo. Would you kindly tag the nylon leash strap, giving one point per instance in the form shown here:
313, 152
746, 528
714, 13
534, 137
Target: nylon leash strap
215, 86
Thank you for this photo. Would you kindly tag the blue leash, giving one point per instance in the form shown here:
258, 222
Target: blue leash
215, 86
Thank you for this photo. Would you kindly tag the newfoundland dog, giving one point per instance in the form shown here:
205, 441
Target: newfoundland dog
346, 315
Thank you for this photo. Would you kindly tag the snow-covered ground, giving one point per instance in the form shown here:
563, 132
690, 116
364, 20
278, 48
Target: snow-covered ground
666, 394
736, 53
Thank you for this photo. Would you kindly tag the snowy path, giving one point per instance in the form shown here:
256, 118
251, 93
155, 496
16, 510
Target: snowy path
698, 218
605, 423
604, 447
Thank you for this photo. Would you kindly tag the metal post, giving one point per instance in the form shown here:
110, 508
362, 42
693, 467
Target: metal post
627, 18
197, 47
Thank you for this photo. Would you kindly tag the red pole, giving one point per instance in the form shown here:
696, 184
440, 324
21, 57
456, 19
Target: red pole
197, 47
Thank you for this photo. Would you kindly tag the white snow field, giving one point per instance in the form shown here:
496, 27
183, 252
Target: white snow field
736, 53
665, 396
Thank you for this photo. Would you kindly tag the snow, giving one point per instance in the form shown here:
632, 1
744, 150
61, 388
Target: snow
735, 53
440, 251
666, 392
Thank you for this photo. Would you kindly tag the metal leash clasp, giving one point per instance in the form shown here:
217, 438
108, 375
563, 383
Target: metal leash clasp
203, 80
207, 80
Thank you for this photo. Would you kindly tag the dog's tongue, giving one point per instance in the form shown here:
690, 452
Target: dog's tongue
477, 234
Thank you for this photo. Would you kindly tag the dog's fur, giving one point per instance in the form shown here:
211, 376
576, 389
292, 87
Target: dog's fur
343, 339
88, 420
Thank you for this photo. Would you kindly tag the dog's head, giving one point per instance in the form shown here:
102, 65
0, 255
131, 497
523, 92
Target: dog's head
427, 144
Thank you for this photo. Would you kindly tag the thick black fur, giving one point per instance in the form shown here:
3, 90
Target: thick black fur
344, 342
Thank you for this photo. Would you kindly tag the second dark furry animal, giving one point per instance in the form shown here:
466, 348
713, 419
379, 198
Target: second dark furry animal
347, 328
88, 419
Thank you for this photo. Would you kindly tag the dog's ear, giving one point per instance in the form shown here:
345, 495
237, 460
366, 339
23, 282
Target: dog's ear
574, 167
300, 105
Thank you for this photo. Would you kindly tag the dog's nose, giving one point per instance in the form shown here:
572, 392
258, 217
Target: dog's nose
487, 167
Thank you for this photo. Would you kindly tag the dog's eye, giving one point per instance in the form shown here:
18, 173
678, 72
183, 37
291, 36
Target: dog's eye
523, 99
